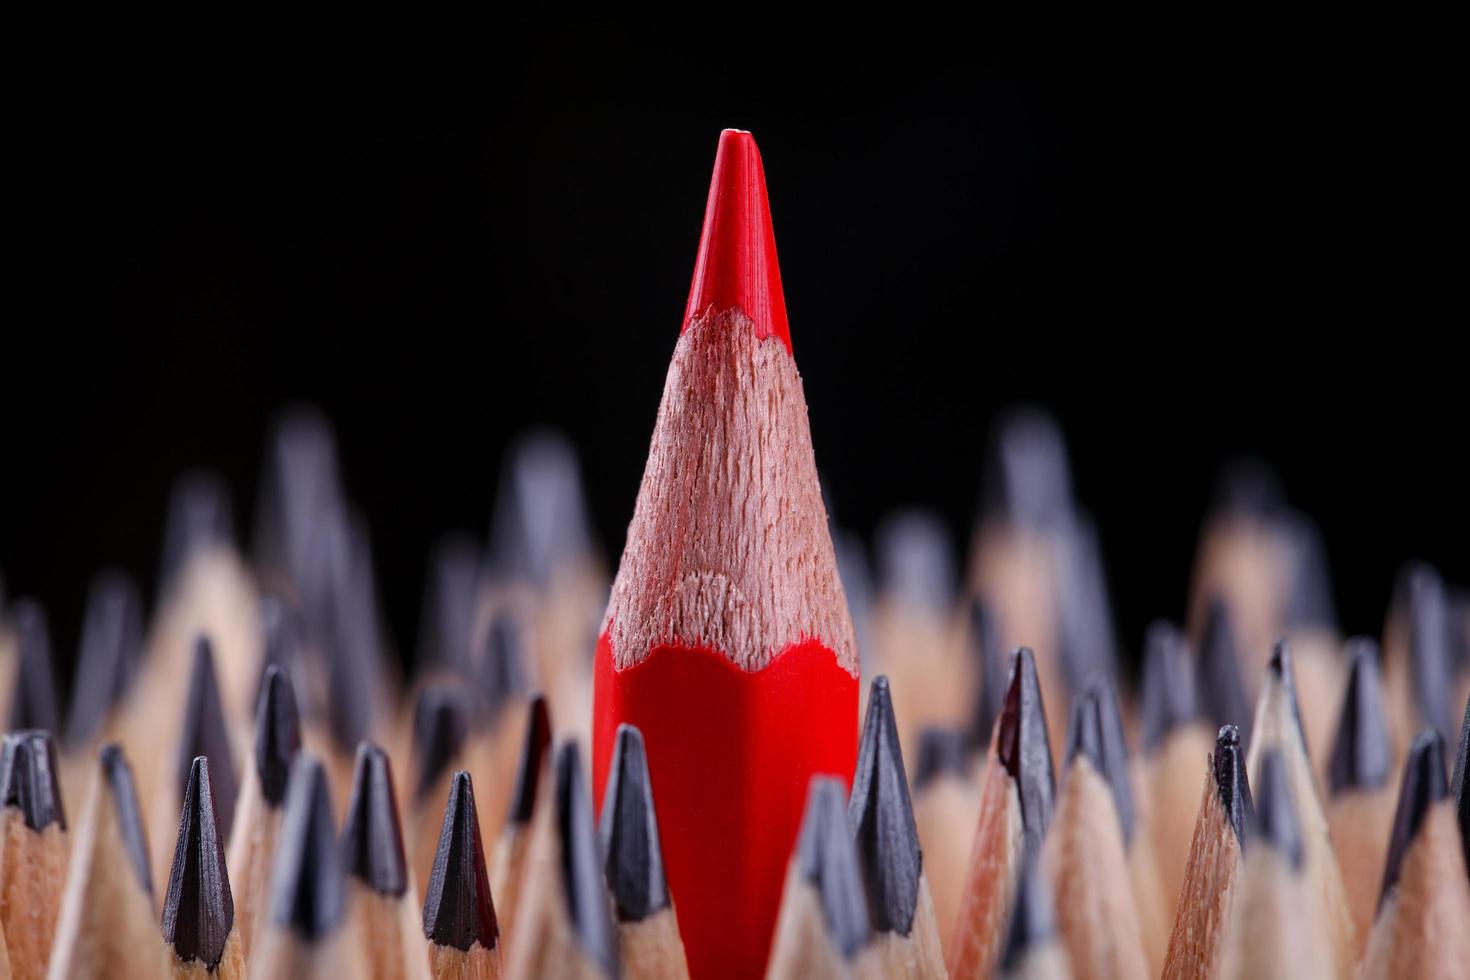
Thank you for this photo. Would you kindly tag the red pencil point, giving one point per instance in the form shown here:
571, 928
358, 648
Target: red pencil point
736, 267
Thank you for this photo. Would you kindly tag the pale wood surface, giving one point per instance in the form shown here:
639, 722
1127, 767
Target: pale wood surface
392, 934
990, 884
1423, 930
946, 813
475, 963
32, 868
1202, 913
651, 949
918, 955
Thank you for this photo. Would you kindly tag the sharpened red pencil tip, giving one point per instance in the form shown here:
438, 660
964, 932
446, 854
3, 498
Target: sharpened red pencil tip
736, 266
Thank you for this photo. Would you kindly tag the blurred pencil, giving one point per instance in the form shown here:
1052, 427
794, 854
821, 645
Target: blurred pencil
1222, 688
1033, 950
33, 691
198, 908
459, 912
946, 809
33, 849
441, 735
508, 867
1457, 785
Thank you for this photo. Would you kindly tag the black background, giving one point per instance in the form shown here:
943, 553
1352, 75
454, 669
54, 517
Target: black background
1230, 241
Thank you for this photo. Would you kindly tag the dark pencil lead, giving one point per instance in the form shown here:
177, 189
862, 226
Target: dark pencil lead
372, 837
1232, 786
985, 653
829, 862
914, 559
1423, 786
205, 733
1362, 754
1429, 653
882, 819
458, 910
1457, 787
532, 761
300, 485
1031, 917
119, 777
634, 862
199, 516
1022, 746
340, 609
503, 666
942, 751
1025, 477
1277, 824
283, 633
307, 891
441, 724
1169, 687
541, 517
1086, 641
30, 779
451, 593
1222, 691
581, 864
112, 645
33, 703
1309, 603
1282, 669
277, 734
198, 909
1096, 731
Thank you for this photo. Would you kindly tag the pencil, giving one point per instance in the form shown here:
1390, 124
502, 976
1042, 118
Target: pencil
252, 842
1206, 899
33, 693
507, 869
946, 809
1457, 784
382, 900
106, 927
727, 612
648, 932
1086, 849
307, 935
198, 908
459, 913
823, 929
1360, 803
441, 736
1016, 800
1032, 950
1423, 910
1418, 672
1278, 726
107, 659
450, 607
504, 669
1309, 621
564, 926
900, 909
988, 664
32, 851
1222, 689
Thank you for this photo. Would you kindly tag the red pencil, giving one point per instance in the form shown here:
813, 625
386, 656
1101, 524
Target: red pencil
727, 639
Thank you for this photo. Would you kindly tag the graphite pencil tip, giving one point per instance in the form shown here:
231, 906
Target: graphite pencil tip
458, 910
1023, 747
736, 267
1031, 917
829, 862
532, 761
915, 563
441, 724
1457, 786
503, 665
541, 521
1232, 786
882, 819
942, 751
1277, 824
1096, 731
199, 516
1362, 751
581, 863
277, 734
985, 652
1282, 670
372, 836
1026, 477
1221, 689
634, 861
205, 733
307, 893
118, 776
1309, 604
1429, 648
451, 592
33, 698
29, 779
1423, 786
198, 909
112, 644
1169, 686
283, 632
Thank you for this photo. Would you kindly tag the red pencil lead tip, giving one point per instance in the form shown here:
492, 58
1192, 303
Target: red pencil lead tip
736, 266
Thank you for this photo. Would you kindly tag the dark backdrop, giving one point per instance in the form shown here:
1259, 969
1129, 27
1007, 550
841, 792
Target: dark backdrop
1186, 250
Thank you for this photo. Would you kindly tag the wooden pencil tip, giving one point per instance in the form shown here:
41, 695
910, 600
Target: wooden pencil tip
581, 863
1032, 923
1232, 785
204, 733
33, 699
532, 761
117, 775
1169, 699
1222, 690
30, 780
1023, 747
828, 861
1362, 751
200, 515
1277, 824
633, 855
881, 817
502, 668
1095, 730
1462, 795
277, 734
986, 654
942, 751
441, 724
1423, 786
372, 836
198, 909
111, 647
736, 267
307, 893
1429, 648
458, 909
